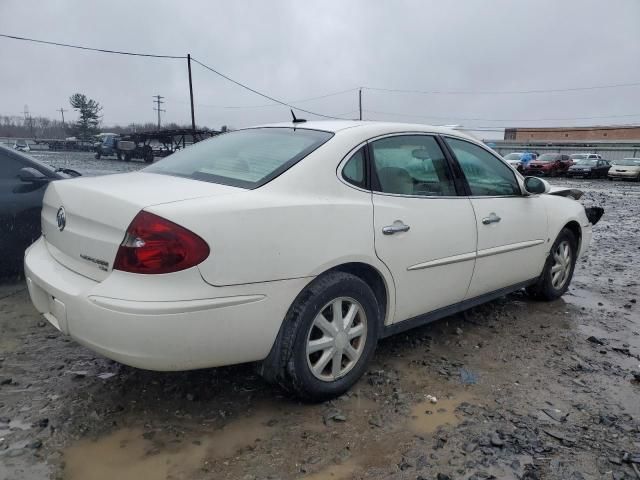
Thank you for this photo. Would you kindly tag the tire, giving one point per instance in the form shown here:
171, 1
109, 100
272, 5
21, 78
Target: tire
291, 364
97, 155
127, 157
147, 154
549, 286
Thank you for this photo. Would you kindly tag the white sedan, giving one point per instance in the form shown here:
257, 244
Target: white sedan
297, 246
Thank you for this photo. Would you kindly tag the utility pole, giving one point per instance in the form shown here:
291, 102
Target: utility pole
193, 118
28, 119
360, 102
158, 101
62, 110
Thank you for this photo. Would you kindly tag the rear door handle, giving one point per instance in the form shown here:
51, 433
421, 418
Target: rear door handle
398, 226
492, 218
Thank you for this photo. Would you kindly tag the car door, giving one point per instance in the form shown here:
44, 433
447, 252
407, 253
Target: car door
20, 205
424, 231
512, 227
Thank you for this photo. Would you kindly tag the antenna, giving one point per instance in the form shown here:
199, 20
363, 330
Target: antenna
295, 119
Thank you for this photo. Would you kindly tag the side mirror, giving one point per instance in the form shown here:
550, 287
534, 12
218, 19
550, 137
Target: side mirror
33, 176
535, 185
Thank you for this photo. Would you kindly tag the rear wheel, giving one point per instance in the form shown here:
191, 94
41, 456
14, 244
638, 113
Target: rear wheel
558, 269
329, 336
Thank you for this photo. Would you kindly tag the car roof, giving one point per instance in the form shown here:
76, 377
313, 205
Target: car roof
363, 126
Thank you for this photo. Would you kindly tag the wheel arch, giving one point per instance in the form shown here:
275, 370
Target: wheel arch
372, 277
576, 229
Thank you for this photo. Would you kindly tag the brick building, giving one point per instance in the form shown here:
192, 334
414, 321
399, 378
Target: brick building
573, 133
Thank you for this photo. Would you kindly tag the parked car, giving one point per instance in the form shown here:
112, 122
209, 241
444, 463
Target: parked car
297, 246
576, 157
22, 184
629, 168
515, 159
589, 167
548, 164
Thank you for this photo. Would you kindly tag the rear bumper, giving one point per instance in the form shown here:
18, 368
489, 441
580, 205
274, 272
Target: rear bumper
160, 322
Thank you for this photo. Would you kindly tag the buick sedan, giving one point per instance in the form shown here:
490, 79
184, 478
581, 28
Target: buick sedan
297, 246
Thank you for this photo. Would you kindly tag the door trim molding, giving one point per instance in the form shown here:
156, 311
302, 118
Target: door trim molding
488, 252
464, 257
434, 315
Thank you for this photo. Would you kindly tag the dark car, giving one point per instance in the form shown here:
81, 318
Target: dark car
23, 181
589, 167
548, 164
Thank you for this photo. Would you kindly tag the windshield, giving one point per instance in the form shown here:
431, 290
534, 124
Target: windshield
591, 162
548, 157
244, 158
513, 156
628, 162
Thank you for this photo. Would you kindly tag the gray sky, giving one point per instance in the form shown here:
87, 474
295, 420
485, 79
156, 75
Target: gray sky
299, 49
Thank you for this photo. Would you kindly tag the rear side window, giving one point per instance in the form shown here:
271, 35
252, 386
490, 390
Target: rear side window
353, 171
244, 158
412, 165
485, 174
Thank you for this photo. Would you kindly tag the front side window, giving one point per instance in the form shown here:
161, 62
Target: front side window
411, 165
244, 158
486, 174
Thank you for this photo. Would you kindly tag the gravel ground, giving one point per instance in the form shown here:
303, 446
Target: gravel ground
525, 390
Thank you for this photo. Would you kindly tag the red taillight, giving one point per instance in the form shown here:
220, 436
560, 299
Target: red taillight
156, 245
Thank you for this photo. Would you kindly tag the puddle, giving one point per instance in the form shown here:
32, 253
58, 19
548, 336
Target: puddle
427, 417
581, 297
343, 471
127, 455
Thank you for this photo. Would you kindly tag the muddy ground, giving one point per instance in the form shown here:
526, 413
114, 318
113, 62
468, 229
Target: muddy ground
524, 389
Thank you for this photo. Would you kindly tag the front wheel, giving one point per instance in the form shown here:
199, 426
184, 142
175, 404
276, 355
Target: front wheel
558, 269
329, 336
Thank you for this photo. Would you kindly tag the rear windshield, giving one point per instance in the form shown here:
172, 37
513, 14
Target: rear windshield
244, 158
548, 157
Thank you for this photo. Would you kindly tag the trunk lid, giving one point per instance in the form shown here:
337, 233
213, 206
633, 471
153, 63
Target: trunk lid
84, 220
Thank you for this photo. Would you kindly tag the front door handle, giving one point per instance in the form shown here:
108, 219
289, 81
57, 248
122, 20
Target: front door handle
398, 226
492, 218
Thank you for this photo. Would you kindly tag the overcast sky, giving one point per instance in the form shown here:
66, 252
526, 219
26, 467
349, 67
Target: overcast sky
294, 50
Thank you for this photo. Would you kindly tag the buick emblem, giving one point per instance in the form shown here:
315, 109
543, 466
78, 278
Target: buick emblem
61, 217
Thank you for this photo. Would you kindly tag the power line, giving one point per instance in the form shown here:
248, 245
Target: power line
80, 47
501, 119
504, 92
260, 93
267, 105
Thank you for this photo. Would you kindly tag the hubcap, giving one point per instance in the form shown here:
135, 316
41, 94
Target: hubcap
561, 267
336, 339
